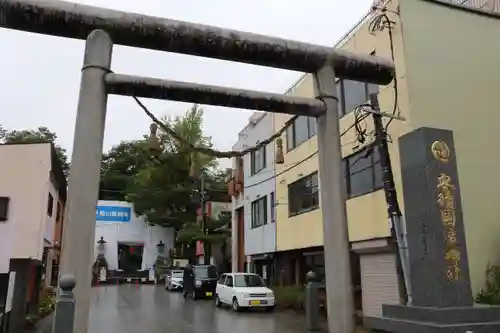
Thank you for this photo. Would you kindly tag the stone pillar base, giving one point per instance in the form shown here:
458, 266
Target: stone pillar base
413, 319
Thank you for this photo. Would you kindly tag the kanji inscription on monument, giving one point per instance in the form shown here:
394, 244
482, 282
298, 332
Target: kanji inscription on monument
439, 272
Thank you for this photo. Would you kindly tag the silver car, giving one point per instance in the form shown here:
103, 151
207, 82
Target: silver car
174, 280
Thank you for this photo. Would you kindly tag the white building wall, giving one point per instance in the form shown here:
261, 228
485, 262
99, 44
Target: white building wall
134, 231
25, 179
262, 239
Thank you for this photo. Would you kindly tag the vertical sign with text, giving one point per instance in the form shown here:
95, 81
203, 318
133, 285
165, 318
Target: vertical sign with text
439, 270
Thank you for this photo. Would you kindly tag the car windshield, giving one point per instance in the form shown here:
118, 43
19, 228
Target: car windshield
248, 280
177, 274
205, 272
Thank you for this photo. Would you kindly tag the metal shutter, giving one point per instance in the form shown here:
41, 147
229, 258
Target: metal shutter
379, 282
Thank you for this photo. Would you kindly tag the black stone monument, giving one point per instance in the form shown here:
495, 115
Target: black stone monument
442, 299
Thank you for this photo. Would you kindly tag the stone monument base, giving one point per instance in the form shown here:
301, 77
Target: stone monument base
414, 319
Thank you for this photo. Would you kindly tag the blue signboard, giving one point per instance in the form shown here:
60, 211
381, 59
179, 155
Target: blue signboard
113, 214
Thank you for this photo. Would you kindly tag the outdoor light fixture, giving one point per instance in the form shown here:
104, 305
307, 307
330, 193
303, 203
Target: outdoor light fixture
160, 247
100, 246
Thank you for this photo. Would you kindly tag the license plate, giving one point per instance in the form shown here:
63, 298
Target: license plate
143, 279
258, 302
208, 294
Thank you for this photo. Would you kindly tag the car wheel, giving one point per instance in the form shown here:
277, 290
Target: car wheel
270, 309
235, 306
217, 301
167, 287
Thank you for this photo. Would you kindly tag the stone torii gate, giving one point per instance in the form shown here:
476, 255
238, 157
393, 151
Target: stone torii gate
103, 27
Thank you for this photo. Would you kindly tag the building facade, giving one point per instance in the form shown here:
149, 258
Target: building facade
439, 81
254, 207
32, 197
123, 232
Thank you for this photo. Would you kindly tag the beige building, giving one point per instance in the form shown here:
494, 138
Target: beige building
32, 197
447, 71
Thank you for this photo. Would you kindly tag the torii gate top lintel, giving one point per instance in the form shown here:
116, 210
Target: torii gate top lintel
66, 19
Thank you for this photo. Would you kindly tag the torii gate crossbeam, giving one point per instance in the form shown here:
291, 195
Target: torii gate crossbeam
66, 19
104, 27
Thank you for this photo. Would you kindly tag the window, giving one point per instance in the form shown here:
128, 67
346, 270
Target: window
272, 204
303, 195
316, 263
363, 173
4, 208
351, 94
203, 272
302, 129
258, 160
248, 281
50, 205
229, 281
259, 212
222, 279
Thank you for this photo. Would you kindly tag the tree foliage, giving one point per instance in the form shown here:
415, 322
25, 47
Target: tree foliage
162, 188
119, 167
40, 135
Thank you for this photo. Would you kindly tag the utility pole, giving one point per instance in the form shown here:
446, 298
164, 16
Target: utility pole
398, 229
206, 245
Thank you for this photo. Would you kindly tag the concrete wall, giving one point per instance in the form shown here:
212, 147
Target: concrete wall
453, 73
25, 178
134, 231
261, 239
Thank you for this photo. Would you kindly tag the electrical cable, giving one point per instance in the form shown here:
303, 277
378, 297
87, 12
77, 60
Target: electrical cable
380, 23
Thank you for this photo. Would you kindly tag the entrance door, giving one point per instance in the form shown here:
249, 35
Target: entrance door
130, 257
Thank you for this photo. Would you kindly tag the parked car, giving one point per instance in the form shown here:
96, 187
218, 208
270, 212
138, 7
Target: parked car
243, 291
174, 279
200, 281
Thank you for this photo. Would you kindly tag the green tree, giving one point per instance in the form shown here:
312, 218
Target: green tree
166, 190
119, 167
41, 135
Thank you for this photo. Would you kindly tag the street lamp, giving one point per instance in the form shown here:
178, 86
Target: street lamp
160, 247
101, 264
101, 247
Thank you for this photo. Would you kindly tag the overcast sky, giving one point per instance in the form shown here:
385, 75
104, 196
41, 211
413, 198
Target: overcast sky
40, 75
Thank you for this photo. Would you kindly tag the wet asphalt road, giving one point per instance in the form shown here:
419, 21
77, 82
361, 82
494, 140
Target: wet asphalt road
151, 309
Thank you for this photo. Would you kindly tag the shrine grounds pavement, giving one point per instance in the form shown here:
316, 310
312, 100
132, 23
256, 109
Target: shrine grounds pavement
151, 309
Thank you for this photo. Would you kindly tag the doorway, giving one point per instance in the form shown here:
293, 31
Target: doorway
130, 256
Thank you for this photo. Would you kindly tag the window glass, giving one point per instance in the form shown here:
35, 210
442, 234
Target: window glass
258, 160
177, 274
290, 142
303, 194
259, 212
312, 126
358, 162
361, 182
354, 94
372, 89
377, 175
222, 279
204, 272
301, 130
229, 281
248, 280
